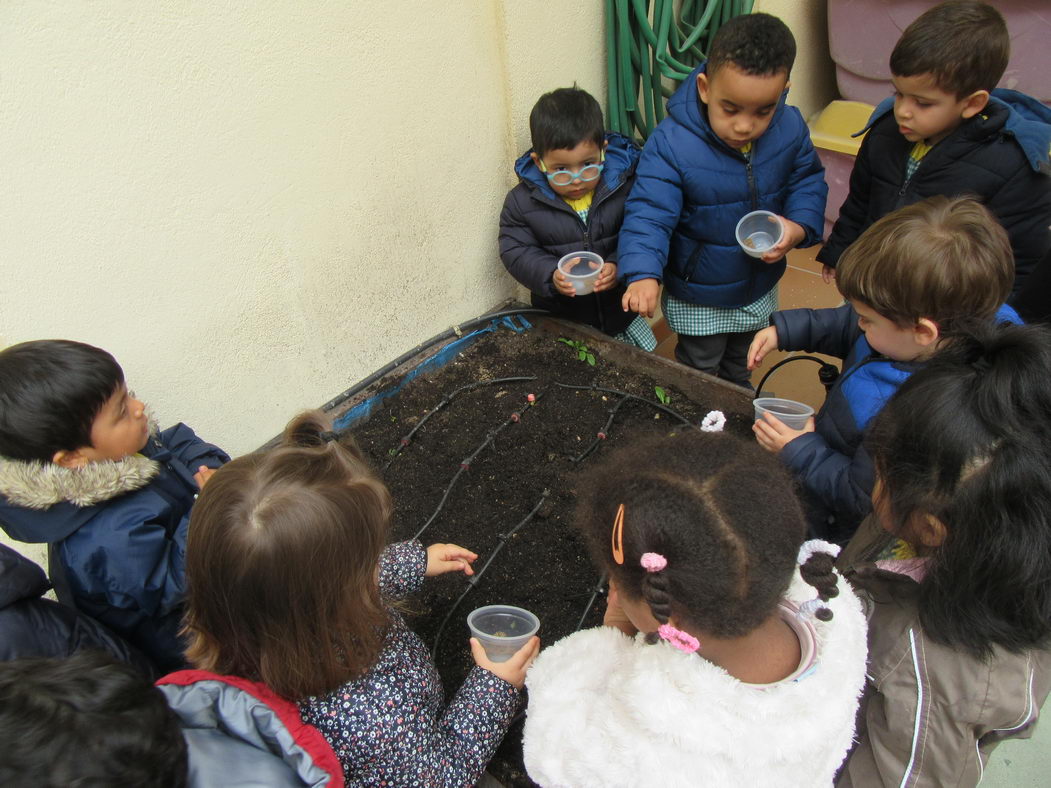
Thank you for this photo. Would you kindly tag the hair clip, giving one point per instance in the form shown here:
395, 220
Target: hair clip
328, 436
653, 562
618, 535
683, 641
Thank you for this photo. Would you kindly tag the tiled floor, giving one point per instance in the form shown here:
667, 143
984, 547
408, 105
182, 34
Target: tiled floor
1016, 763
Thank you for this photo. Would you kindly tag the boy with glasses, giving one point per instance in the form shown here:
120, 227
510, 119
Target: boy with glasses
570, 198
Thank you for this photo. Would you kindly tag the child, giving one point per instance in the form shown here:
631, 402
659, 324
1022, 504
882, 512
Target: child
288, 571
741, 671
951, 133
730, 145
33, 626
908, 280
83, 469
570, 198
86, 721
959, 633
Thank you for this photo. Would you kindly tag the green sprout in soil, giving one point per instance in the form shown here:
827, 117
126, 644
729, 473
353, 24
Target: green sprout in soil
583, 351
663, 397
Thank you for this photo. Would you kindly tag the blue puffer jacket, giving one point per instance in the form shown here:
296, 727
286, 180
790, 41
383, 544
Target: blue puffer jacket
832, 463
691, 189
537, 228
118, 530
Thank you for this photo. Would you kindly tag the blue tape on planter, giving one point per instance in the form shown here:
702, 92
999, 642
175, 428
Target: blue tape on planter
364, 409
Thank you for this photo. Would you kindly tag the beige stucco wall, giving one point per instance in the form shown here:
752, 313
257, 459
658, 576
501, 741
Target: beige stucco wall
813, 76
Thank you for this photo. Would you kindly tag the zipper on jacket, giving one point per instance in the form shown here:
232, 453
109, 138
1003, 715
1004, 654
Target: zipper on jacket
752, 191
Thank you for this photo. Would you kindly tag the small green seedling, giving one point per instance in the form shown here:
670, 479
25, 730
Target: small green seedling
583, 351
663, 397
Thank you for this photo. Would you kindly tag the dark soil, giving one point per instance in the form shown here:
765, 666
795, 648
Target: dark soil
543, 567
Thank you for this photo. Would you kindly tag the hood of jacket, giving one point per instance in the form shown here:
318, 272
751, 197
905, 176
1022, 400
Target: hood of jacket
620, 158
1028, 121
686, 107
20, 578
239, 733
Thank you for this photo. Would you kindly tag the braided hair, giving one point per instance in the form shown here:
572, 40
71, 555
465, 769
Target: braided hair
724, 514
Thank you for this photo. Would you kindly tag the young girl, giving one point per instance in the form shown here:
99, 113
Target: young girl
288, 572
961, 613
741, 672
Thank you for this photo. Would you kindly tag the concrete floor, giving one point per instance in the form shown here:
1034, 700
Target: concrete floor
1018, 763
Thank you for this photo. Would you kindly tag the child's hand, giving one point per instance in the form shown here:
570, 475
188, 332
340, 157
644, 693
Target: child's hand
607, 279
763, 342
828, 274
773, 435
641, 297
790, 239
442, 558
204, 473
562, 284
514, 670
615, 616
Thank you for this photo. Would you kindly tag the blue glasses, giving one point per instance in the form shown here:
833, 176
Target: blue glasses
586, 174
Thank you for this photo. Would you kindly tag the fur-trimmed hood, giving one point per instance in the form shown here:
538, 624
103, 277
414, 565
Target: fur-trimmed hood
40, 485
608, 710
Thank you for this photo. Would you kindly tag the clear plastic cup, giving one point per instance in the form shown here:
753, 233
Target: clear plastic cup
793, 414
758, 232
582, 269
502, 629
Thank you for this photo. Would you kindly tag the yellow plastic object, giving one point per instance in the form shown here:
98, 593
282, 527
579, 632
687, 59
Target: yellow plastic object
831, 129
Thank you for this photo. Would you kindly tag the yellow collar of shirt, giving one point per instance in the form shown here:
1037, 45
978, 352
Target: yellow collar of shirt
581, 203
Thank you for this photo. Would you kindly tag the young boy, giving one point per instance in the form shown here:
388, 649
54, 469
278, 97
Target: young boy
909, 279
82, 469
570, 198
730, 145
947, 131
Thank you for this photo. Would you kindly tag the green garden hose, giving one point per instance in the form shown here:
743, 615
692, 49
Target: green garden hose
650, 49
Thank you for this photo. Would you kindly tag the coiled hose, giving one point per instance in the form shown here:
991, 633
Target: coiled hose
650, 49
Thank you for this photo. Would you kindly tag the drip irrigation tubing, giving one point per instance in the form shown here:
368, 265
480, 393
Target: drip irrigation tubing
474, 579
827, 374
407, 439
625, 394
599, 587
601, 434
514, 418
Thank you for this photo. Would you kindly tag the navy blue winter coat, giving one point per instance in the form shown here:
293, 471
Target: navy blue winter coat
692, 188
835, 469
999, 157
537, 228
119, 532
33, 626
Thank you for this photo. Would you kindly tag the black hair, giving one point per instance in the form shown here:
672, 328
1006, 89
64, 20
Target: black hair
87, 721
51, 390
967, 440
757, 44
564, 118
963, 44
724, 514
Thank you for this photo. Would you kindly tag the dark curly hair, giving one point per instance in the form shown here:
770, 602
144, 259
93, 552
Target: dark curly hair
724, 514
758, 44
967, 439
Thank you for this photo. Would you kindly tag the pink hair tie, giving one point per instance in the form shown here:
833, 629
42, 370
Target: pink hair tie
653, 562
683, 641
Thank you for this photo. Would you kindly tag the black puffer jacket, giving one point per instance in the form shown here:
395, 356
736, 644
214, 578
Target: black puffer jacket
1001, 158
31, 626
537, 228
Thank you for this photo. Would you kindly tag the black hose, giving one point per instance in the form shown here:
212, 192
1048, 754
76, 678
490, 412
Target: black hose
827, 374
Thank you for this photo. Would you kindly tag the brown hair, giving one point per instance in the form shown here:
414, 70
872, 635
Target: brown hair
281, 565
962, 44
942, 259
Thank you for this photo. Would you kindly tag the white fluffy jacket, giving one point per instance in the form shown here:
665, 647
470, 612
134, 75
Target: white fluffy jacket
609, 710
